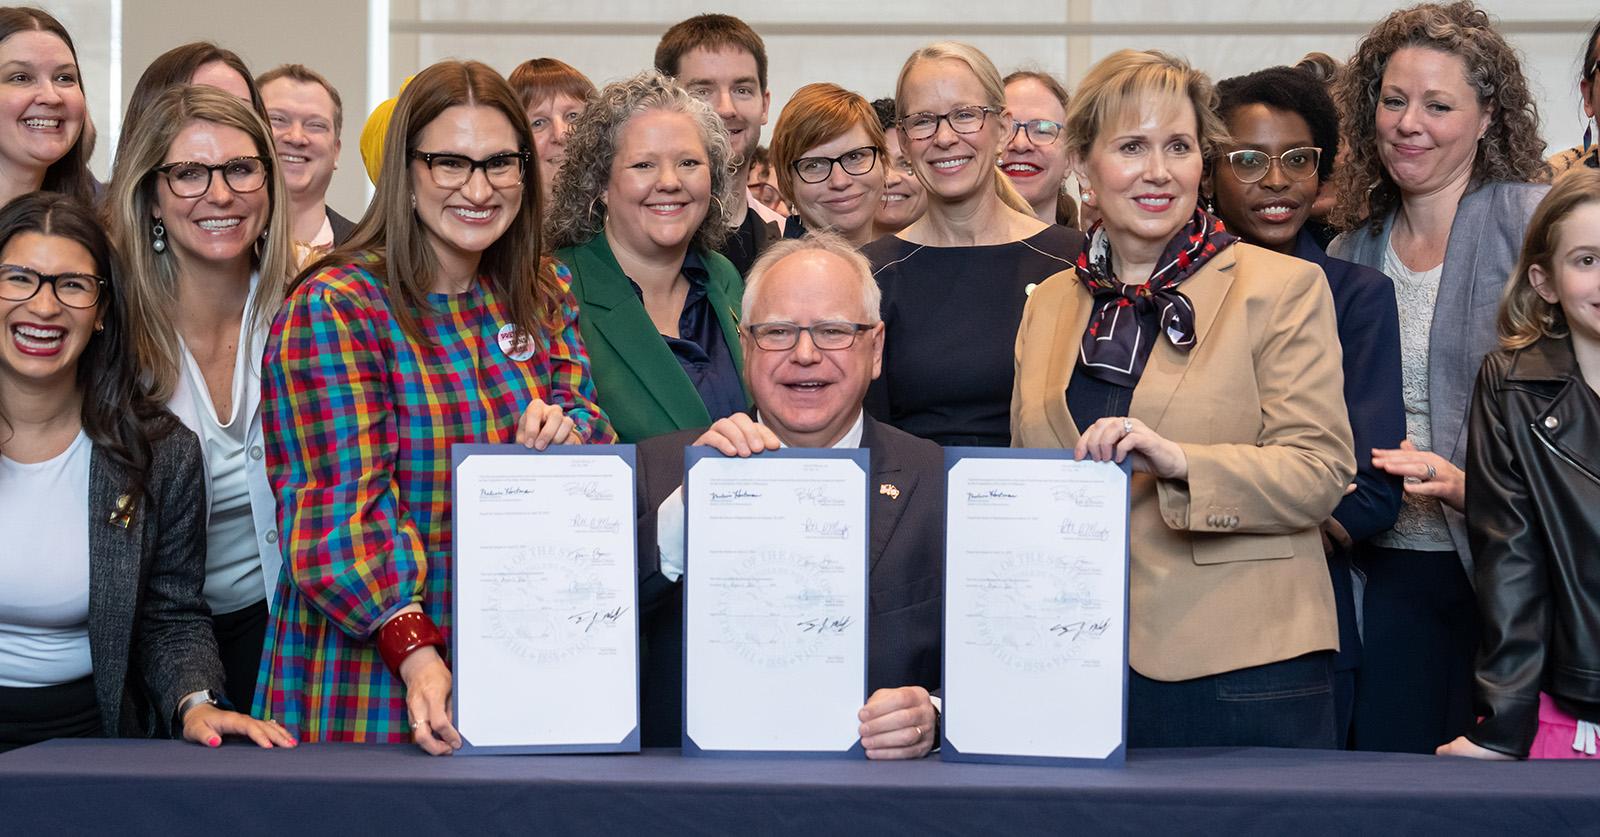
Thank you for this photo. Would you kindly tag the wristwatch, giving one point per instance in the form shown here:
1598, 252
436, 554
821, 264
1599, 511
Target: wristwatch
196, 699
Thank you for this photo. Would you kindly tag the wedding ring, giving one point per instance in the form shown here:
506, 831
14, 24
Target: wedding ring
1127, 426
919, 733
1432, 472
419, 723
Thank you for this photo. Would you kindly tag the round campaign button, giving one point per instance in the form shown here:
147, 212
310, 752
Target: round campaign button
514, 343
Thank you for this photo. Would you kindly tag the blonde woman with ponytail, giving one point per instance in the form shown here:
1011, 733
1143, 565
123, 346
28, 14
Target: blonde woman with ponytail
954, 282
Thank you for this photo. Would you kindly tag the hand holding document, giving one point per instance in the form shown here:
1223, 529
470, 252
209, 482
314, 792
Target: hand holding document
775, 603
545, 640
1036, 593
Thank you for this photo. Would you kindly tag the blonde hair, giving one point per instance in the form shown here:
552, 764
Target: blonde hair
1525, 317
994, 91
130, 201
815, 114
1127, 81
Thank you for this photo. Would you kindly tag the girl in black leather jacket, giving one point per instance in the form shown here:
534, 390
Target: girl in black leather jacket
1533, 494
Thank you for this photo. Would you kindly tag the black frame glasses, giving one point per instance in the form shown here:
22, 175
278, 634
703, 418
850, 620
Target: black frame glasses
781, 336
9, 285
1034, 127
237, 173
1292, 172
440, 164
821, 168
921, 126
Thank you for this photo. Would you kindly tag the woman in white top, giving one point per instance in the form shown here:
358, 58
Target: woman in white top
198, 213
102, 627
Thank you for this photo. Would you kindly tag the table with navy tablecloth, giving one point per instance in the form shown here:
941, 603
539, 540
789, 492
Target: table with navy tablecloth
165, 787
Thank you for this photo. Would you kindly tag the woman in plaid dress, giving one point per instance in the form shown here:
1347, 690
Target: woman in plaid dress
439, 323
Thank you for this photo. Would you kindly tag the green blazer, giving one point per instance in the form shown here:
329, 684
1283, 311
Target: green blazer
637, 380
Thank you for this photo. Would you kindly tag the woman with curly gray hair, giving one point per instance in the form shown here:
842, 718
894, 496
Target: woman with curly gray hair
642, 201
1437, 193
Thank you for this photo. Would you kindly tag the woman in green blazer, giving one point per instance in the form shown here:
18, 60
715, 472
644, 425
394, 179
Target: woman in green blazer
639, 206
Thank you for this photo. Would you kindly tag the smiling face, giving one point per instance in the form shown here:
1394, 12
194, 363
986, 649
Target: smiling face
1145, 173
955, 166
304, 133
1270, 212
808, 396
43, 338
1428, 121
41, 103
728, 80
660, 185
844, 202
1574, 283
463, 222
221, 76
1036, 171
904, 199
551, 120
217, 230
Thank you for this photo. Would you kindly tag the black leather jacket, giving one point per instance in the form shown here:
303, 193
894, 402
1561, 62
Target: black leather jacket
1533, 514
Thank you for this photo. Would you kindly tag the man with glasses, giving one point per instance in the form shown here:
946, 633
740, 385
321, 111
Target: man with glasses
813, 340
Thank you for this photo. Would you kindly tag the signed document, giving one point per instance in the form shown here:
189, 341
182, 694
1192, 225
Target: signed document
775, 602
545, 648
1036, 591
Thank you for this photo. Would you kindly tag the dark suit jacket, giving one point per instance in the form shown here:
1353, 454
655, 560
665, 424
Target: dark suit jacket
637, 381
906, 582
150, 634
342, 226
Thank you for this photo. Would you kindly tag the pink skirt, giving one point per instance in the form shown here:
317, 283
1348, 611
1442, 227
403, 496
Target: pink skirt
1557, 729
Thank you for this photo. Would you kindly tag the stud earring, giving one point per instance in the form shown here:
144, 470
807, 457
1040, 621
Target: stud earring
1087, 197
158, 237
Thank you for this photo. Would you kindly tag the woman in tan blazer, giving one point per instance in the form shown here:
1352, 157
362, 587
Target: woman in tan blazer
1216, 366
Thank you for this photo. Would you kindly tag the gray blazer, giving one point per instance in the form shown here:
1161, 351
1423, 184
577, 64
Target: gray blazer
1485, 242
150, 634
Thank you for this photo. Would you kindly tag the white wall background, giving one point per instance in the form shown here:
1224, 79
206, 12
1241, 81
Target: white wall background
857, 45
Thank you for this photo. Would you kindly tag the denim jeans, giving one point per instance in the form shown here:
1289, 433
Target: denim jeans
1283, 704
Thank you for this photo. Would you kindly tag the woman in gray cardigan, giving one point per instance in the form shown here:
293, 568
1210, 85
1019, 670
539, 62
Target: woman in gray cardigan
103, 559
1437, 193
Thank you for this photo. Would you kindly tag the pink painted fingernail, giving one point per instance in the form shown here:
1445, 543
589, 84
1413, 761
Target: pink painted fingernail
214, 742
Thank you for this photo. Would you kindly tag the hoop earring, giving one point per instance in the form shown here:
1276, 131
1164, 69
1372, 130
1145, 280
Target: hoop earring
593, 202
722, 211
158, 237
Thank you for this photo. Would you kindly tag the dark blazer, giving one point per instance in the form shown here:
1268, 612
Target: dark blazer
640, 385
1485, 242
906, 582
1533, 488
150, 636
342, 226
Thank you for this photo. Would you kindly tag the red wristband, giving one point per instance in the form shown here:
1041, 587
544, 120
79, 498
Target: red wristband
403, 635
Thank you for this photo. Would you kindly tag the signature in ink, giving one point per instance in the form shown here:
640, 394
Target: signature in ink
825, 625
590, 618
1082, 629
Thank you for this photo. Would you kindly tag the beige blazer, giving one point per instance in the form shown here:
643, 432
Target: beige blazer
1226, 568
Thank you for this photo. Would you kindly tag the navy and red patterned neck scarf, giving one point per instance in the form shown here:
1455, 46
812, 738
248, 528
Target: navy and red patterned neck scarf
1111, 345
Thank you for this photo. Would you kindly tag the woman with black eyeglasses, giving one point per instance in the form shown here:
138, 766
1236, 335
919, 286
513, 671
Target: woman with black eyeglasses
1588, 153
955, 280
828, 151
197, 212
1035, 159
1284, 134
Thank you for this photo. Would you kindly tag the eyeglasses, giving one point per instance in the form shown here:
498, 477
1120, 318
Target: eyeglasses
855, 161
967, 119
74, 290
829, 336
1250, 165
191, 180
1040, 131
452, 171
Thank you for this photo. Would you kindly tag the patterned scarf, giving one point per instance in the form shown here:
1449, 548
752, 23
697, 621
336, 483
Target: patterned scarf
1110, 349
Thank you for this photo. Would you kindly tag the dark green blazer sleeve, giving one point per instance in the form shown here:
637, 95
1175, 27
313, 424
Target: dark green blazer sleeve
637, 380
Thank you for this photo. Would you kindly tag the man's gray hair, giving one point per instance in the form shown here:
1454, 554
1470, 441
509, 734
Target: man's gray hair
816, 241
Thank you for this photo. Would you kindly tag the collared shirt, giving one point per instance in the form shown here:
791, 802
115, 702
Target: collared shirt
305, 252
671, 517
701, 348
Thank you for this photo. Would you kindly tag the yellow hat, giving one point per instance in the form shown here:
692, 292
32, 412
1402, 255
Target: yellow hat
373, 132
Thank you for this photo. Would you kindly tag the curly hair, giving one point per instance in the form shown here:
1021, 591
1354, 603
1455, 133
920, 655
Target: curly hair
576, 212
1291, 90
1511, 149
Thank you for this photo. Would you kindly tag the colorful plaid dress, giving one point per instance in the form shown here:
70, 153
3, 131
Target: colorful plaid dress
359, 420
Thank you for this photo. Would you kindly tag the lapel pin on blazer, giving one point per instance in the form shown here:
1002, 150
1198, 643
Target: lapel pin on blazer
123, 514
889, 490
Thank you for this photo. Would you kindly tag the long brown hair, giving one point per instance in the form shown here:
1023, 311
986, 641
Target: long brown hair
513, 266
70, 174
175, 68
1524, 316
